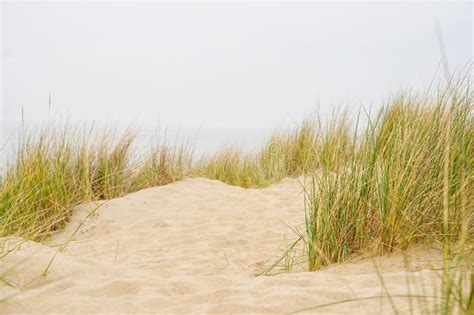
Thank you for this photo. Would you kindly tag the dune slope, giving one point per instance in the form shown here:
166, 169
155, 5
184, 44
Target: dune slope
195, 246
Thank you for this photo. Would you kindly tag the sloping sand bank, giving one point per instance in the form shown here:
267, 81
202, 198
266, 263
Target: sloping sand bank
195, 246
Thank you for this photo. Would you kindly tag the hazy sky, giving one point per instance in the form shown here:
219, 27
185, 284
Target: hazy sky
227, 65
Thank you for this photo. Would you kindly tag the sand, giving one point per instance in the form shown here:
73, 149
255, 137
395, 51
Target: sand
195, 246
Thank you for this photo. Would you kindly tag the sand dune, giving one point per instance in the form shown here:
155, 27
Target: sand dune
195, 246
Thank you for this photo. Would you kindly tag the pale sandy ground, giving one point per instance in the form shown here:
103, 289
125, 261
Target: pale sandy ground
195, 246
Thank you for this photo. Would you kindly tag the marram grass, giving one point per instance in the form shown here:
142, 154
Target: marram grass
57, 169
407, 178
288, 153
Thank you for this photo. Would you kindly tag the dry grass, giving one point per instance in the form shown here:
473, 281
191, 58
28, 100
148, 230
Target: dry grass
408, 178
287, 153
56, 169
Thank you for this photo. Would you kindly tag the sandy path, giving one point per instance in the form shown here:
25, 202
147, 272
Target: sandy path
193, 246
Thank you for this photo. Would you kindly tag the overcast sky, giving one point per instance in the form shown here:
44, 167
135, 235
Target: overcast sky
228, 65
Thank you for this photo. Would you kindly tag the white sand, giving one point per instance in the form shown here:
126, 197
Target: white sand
195, 246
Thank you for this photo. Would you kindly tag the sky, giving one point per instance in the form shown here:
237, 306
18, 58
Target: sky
218, 66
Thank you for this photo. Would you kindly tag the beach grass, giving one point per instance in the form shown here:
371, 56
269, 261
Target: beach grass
291, 152
404, 178
409, 180
55, 169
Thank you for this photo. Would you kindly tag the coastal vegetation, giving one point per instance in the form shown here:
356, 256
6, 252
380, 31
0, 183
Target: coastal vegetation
405, 177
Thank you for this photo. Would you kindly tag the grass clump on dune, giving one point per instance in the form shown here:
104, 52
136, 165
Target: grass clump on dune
410, 179
287, 153
108, 161
55, 170
163, 165
37, 192
232, 167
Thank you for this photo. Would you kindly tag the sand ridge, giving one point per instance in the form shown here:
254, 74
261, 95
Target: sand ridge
195, 246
